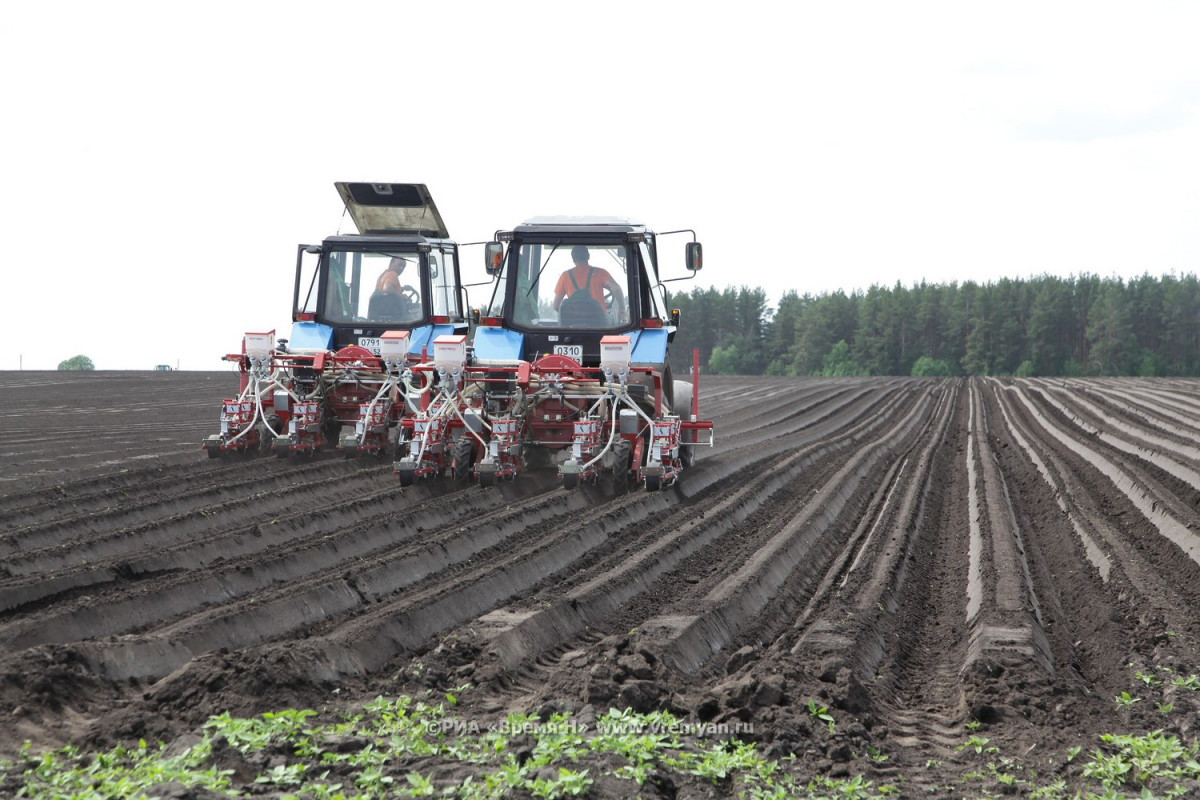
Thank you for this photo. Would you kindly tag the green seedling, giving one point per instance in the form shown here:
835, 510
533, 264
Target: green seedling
821, 714
976, 743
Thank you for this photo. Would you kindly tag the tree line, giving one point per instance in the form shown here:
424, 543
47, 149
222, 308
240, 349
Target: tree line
1041, 326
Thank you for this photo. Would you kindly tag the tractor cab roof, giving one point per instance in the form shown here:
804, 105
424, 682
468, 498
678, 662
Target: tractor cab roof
392, 208
355, 242
579, 224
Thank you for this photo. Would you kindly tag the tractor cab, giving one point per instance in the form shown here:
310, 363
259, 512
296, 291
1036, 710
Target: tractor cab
565, 283
400, 272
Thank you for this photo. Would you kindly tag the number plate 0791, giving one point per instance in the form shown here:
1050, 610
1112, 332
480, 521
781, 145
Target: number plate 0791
574, 351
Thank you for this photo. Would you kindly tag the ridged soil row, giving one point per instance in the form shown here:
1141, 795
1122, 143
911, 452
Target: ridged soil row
42, 516
881, 631
232, 526
741, 454
179, 511
24, 507
767, 429
1147, 525
742, 409
1157, 503
1176, 420
1174, 400
1128, 443
1092, 581
729, 521
962, 608
1176, 456
159, 588
754, 449
738, 399
1134, 547
302, 586
689, 636
1004, 615
1079, 510
849, 619
404, 623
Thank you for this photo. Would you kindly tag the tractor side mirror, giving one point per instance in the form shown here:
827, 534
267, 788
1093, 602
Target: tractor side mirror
493, 258
694, 255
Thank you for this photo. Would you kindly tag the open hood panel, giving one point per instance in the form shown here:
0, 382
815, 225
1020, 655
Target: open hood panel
392, 208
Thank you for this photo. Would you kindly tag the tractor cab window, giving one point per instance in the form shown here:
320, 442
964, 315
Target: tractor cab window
495, 307
568, 285
654, 303
307, 284
374, 287
443, 266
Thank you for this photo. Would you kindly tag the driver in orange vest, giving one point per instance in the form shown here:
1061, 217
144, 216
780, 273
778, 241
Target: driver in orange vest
584, 276
389, 281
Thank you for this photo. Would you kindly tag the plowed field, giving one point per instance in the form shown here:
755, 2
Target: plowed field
926, 559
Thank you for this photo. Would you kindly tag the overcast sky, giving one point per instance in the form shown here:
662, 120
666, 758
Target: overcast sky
161, 161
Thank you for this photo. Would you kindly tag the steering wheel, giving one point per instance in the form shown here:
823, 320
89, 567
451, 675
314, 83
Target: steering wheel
410, 294
612, 310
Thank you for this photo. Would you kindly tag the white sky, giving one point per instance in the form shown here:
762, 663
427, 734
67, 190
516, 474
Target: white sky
162, 160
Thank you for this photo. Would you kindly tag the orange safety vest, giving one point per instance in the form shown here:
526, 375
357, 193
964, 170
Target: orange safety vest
388, 283
594, 287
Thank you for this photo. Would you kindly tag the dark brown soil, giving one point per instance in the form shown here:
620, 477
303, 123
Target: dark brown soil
919, 556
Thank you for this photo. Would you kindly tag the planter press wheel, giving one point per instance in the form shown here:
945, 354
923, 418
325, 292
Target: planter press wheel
407, 477
213, 449
653, 483
570, 480
464, 458
622, 456
266, 437
487, 479
687, 450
